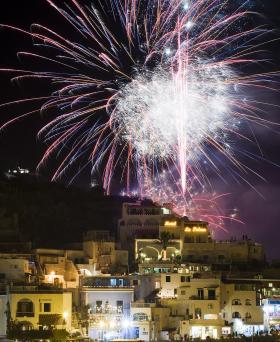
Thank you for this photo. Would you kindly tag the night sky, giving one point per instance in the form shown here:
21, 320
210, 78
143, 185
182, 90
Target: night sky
258, 205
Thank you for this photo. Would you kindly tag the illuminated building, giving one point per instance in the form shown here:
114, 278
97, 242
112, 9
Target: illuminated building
102, 250
139, 220
191, 242
109, 299
3, 310
242, 309
18, 171
36, 307
97, 254
149, 321
265, 296
17, 267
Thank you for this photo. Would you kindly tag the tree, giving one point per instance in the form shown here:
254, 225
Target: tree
165, 237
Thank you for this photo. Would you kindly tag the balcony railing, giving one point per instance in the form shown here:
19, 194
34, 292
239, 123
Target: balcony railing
38, 289
143, 305
25, 314
96, 313
203, 298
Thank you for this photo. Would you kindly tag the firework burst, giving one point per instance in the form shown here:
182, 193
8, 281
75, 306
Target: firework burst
150, 85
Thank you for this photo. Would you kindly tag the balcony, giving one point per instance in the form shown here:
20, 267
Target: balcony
203, 298
143, 305
207, 322
25, 314
35, 289
103, 312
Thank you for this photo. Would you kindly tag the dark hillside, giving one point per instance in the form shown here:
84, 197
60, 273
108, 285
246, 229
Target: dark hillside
50, 213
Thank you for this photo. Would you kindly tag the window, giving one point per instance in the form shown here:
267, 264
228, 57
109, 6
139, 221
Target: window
135, 282
107, 307
236, 315
210, 306
211, 294
47, 307
197, 313
183, 292
236, 302
183, 279
248, 315
119, 306
25, 307
200, 293
113, 282
168, 279
99, 306
248, 302
56, 281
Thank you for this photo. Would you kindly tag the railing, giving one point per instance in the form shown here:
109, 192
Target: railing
274, 315
25, 314
38, 289
143, 305
203, 298
116, 287
104, 313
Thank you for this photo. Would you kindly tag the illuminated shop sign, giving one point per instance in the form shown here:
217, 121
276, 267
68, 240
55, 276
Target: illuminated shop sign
195, 230
170, 223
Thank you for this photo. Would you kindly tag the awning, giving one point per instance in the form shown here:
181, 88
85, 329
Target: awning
51, 319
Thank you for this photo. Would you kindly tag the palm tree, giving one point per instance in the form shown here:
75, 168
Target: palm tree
164, 238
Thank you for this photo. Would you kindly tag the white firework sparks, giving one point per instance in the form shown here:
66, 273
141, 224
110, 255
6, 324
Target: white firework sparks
161, 112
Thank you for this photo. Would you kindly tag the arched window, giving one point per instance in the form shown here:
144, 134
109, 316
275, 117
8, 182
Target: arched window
248, 302
236, 302
25, 307
236, 315
248, 315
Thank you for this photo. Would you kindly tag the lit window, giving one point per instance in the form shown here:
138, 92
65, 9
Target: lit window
200, 293
119, 306
197, 313
236, 315
113, 282
99, 306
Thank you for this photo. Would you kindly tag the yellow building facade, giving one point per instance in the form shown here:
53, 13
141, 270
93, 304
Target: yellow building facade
35, 308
